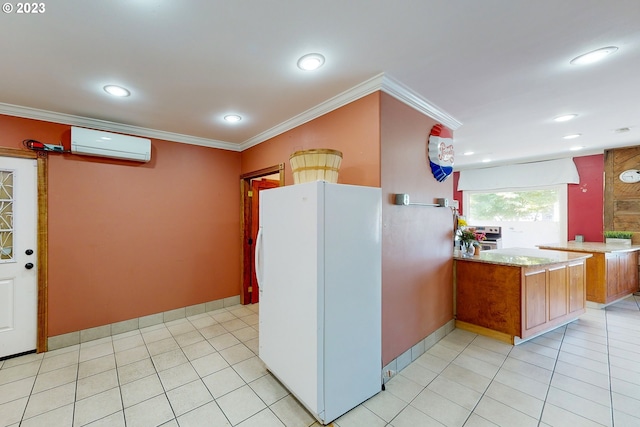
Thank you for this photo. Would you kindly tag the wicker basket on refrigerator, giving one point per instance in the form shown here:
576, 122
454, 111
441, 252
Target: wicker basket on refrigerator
320, 164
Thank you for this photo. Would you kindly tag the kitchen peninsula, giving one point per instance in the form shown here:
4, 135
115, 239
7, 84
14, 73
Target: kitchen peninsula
514, 294
612, 271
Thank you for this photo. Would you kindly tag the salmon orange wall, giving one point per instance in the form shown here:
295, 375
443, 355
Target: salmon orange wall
354, 129
129, 239
417, 241
384, 145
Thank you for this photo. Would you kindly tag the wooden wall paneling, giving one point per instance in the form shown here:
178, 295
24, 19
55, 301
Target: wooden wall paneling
608, 190
622, 200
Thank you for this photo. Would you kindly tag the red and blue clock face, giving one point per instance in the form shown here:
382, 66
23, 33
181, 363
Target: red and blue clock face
440, 148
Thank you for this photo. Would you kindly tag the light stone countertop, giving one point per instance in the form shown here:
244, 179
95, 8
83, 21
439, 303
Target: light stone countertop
522, 257
595, 247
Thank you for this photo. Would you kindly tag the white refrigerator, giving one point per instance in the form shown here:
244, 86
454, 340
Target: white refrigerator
318, 262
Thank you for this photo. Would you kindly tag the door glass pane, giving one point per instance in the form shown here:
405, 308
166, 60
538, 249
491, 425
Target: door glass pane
528, 217
6, 215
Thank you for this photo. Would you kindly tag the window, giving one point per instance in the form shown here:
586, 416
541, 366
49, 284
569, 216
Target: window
6, 216
528, 217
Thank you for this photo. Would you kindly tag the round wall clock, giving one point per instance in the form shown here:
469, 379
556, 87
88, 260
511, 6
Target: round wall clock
630, 176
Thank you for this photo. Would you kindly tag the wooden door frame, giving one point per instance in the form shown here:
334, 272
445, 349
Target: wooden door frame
245, 219
42, 237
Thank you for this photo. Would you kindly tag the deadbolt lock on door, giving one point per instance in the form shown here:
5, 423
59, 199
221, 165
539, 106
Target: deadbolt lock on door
29, 252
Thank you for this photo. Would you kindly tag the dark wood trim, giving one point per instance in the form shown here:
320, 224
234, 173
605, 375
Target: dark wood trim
43, 242
13, 152
245, 218
279, 168
608, 190
43, 253
245, 223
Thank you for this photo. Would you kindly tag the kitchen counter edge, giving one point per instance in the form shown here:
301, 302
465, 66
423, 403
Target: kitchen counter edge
595, 247
522, 257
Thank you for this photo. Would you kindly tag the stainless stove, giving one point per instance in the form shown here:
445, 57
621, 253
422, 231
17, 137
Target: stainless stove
493, 234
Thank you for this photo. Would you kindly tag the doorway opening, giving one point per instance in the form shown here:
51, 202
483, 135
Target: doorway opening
42, 240
251, 184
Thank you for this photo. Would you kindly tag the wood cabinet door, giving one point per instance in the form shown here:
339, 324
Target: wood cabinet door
597, 278
558, 292
627, 273
577, 286
632, 271
612, 274
535, 304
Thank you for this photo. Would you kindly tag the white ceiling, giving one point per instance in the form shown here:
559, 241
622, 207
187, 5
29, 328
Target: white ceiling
500, 68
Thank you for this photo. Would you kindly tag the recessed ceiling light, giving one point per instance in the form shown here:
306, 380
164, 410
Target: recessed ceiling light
565, 118
572, 136
232, 118
311, 62
486, 160
116, 90
593, 56
576, 148
467, 153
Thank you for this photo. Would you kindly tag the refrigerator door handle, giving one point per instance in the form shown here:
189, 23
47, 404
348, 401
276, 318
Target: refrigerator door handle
258, 259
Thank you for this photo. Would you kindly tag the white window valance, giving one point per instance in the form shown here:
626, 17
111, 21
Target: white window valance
537, 174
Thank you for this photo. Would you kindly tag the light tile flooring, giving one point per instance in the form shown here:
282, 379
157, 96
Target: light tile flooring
203, 371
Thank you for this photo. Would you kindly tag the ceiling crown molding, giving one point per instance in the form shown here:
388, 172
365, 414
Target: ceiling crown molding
104, 125
359, 91
404, 94
381, 82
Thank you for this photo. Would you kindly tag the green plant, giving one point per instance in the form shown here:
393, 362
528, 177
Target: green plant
618, 234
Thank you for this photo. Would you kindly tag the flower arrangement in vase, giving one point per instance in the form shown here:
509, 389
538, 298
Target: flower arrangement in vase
479, 238
469, 240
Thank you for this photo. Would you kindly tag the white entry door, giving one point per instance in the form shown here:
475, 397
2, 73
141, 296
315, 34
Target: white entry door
18, 270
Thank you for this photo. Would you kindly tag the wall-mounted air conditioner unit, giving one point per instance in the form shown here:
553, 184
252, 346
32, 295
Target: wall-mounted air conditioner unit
105, 144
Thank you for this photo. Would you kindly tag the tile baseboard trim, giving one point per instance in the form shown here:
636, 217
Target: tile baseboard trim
417, 350
78, 337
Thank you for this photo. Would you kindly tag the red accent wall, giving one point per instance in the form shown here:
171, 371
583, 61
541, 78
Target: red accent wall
128, 239
457, 195
585, 200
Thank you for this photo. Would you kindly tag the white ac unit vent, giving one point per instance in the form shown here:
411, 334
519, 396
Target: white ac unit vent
105, 144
